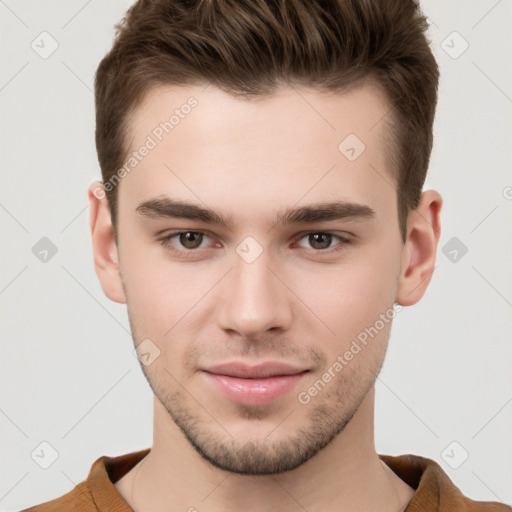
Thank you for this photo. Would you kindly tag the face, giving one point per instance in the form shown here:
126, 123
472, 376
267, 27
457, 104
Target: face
297, 255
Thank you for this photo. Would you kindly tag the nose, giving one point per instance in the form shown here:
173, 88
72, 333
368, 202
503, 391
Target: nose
255, 298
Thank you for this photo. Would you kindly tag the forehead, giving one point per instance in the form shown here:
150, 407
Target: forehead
208, 146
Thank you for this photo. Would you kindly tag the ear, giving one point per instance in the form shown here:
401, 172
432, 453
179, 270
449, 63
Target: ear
419, 252
106, 259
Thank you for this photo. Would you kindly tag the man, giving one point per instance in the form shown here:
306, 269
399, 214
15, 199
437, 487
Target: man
261, 210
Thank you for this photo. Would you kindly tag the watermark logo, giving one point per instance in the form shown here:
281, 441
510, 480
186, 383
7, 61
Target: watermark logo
454, 45
146, 352
455, 455
44, 250
454, 249
44, 45
249, 249
351, 147
44, 455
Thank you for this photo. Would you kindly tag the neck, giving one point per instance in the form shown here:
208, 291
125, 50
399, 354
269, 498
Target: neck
346, 475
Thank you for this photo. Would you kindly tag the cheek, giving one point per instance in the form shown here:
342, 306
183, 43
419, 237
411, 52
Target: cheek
351, 296
164, 297
154, 292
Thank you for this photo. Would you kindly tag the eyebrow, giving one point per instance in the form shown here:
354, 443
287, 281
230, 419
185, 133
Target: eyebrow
166, 207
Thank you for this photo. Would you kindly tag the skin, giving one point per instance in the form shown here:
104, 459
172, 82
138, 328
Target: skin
298, 302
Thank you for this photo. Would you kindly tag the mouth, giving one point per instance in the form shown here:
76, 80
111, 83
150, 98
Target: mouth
254, 385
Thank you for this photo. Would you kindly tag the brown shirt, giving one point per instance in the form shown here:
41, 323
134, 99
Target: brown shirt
434, 490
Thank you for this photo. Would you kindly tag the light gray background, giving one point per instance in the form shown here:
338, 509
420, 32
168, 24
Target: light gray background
67, 369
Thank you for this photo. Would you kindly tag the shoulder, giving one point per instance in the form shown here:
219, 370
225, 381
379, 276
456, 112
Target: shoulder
98, 491
79, 499
434, 489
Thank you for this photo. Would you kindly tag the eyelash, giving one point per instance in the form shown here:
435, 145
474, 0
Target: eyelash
166, 242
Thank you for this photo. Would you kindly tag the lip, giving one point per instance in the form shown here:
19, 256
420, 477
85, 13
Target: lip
259, 371
254, 385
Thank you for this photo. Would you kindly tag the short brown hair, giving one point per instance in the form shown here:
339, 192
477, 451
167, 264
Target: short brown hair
250, 47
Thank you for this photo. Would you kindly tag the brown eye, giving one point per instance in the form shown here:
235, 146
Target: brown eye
190, 239
184, 242
324, 242
320, 241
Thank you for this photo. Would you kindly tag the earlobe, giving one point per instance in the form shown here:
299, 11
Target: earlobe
105, 251
419, 252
